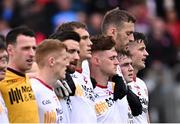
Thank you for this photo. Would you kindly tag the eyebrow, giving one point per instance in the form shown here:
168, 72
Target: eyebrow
84, 37
130, 32
72, 50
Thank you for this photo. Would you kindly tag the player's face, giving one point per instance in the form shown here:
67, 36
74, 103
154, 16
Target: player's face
3, 63
85, 44
124, 36
22, 53
73, 50
61, 63
139, 54
126, 68
108, 62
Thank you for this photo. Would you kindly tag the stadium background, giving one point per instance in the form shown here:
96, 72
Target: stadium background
158, 19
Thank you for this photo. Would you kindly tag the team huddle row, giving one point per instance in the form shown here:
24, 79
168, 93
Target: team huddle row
71, 77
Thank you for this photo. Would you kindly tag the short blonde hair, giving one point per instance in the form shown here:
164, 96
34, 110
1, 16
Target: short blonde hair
46, 47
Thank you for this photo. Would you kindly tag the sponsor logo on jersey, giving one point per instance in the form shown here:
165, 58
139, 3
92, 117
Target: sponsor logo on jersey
22, 94
12, 81
88, 92
50, 117
101, 107
59, 111
144, 103
59, 114
45, 102
109, 101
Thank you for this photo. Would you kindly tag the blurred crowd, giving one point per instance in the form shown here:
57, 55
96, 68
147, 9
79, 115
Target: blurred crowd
158, 19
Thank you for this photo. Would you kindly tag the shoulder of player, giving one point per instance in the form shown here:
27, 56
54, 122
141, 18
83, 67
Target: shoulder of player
11, 78
34, 82
140, 81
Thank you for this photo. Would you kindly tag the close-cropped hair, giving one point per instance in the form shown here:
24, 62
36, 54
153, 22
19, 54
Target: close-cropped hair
116, 17
140, 37
101, 43
124, 53
65, 35
47, 47
14, 33
69, 26
2, 43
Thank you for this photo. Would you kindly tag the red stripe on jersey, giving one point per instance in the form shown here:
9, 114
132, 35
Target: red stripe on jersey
79, 69
101, 86
44, 83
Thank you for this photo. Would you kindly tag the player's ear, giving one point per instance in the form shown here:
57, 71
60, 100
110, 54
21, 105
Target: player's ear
96, 60
112, 31
51, 61
10, 49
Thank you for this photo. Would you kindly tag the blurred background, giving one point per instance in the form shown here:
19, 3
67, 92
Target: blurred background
158, 19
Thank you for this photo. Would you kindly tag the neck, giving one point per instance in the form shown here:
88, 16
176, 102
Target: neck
79, 64
100, 78
135, 71
47, 77
13, 66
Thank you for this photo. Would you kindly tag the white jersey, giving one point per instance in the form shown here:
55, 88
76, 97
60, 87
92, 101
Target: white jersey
82, 103
124, 100
49, 106
108, 110
85, 68
140, 89
3, 111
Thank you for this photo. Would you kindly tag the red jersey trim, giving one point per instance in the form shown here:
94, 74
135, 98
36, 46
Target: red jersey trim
104, 87
42, 82
79, 69
134, 78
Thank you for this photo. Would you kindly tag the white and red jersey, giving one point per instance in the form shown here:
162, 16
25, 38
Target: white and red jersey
108, 110
85, 68
49, 106
82, 103
124, 100
3, 111
140, 89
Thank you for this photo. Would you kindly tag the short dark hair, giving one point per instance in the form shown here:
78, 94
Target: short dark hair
2, 43
65, 35
140, 37
14, 33
70, 26
102, 42
124, 53
116, 17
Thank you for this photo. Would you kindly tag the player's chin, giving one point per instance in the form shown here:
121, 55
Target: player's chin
71, 69
130, 80
29, 67
88, 56
113, 73
62, 75
142, 66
